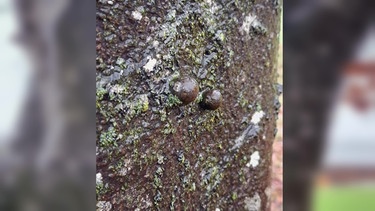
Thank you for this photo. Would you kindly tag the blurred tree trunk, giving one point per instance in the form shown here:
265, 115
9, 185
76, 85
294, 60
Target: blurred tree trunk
48, 160
152, 151
314, 53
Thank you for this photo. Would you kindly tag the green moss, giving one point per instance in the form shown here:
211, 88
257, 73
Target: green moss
258, 106
100, 92
159, 171
169, 129
181, 157
108, 138
199, 98
173, 200
234, 196
163, 115
133, 135
242, 101
208, 121
101, 189
242, 176
192, 187
172, 101
243, 161
160, 159
157, 182
141, 104
118, 92
220, 146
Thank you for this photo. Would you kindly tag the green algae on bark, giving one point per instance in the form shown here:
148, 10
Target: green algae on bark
153, 153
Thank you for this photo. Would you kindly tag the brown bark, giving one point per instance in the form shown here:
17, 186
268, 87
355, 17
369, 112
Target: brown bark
153, 152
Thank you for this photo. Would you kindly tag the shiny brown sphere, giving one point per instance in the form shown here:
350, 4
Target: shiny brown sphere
186, 89
212, 99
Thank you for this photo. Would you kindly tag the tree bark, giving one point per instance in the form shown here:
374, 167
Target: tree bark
153, 152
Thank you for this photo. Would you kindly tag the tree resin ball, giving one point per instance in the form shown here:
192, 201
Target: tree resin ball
186, 89
212, 99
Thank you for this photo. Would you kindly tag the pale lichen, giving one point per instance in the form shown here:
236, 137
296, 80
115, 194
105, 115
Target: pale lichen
254, 203
247, 134
257, 117
249, 19
150, 65
99, 179
251, 23
137, 15
103, 206
254, 160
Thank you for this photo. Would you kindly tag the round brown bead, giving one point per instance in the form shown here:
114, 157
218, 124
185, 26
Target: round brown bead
186, 89
212, 99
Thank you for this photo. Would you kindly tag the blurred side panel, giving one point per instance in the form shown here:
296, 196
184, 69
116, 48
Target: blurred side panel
320, 40
47, 159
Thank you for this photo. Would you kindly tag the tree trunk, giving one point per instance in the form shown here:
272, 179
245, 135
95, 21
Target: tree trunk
155, 152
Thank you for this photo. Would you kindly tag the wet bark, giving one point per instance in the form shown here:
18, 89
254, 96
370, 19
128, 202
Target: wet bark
154, 152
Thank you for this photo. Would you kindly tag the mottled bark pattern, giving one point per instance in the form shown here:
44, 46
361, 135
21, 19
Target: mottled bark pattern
156, 153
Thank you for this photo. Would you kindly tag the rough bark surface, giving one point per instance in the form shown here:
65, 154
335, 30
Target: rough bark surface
154, 152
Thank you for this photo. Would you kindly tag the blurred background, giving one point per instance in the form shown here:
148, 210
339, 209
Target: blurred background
14, 71
47, 55
277, 156
346, 177
329, 107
